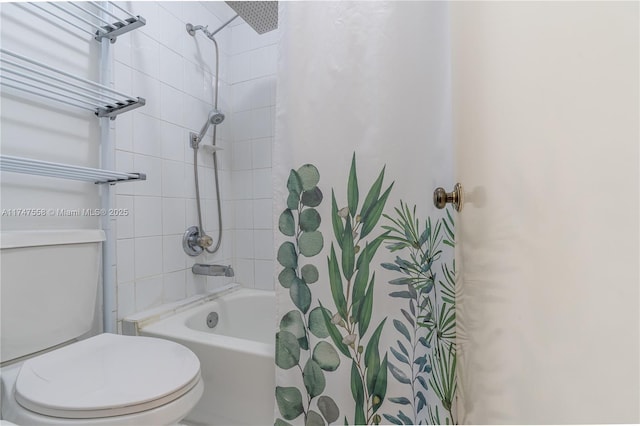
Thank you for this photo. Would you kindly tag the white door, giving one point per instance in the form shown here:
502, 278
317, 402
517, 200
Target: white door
546, 130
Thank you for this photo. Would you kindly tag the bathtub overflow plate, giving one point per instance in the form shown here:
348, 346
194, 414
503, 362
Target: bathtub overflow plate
212, 319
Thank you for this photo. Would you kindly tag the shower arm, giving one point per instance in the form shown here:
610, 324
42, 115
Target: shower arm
191, 29
221, 27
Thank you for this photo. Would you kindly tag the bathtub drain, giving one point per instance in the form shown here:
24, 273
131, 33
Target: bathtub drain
212, 319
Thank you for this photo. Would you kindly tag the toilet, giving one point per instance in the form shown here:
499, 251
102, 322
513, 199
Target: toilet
56, 368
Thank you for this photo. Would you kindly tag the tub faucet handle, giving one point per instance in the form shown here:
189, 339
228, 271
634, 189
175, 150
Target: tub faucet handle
205, 241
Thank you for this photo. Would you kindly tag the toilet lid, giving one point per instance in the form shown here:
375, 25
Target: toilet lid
107, 375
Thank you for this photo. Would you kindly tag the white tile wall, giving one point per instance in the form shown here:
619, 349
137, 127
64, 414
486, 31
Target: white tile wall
124, 223
244, 214
175, 73
147, 256
126, 298
173, 257
264, 279
147, 222
173, 216
253, 83
263, 244
262, 183
174, 285
148, 292
124, 260
261, 217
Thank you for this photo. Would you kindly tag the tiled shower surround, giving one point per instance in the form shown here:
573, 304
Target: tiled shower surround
175, 73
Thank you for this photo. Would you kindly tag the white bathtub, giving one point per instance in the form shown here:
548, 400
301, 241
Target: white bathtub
237, 356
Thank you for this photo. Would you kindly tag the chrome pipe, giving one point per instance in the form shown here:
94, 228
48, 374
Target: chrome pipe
191, 29
210, 35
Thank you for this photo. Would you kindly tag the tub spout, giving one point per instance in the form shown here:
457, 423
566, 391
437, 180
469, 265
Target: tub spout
212, 270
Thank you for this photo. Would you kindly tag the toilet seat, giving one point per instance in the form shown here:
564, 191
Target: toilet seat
84, 380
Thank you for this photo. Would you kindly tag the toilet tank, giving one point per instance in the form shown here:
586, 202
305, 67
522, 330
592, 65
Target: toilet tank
49, 283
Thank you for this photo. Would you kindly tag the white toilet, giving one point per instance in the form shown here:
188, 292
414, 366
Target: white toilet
48, 376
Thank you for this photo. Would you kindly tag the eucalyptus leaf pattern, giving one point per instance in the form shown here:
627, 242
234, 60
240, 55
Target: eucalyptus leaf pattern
298, 329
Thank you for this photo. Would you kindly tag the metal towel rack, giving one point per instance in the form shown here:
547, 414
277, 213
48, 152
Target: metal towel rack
9, 163
26, 75
21, 73
91, 17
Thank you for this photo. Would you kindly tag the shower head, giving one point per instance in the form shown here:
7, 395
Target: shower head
262, 16
215, 117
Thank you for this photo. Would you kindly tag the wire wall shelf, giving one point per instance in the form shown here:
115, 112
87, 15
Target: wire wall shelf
99, 20
9, 163
21, 73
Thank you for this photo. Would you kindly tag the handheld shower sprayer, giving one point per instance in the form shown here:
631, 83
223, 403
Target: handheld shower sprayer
215, 117
195, 240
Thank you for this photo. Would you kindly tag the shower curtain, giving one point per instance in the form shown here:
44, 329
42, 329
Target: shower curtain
366, 277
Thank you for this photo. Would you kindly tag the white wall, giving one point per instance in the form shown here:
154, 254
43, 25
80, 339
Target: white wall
175, 73
546, 126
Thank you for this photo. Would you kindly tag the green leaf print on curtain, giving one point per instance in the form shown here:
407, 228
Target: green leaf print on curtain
424, 355
315, 338
352, 282
295, 343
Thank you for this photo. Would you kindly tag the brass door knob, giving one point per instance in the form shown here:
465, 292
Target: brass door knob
442, 197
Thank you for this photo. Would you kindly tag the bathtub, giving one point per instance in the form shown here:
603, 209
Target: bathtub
236, 355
